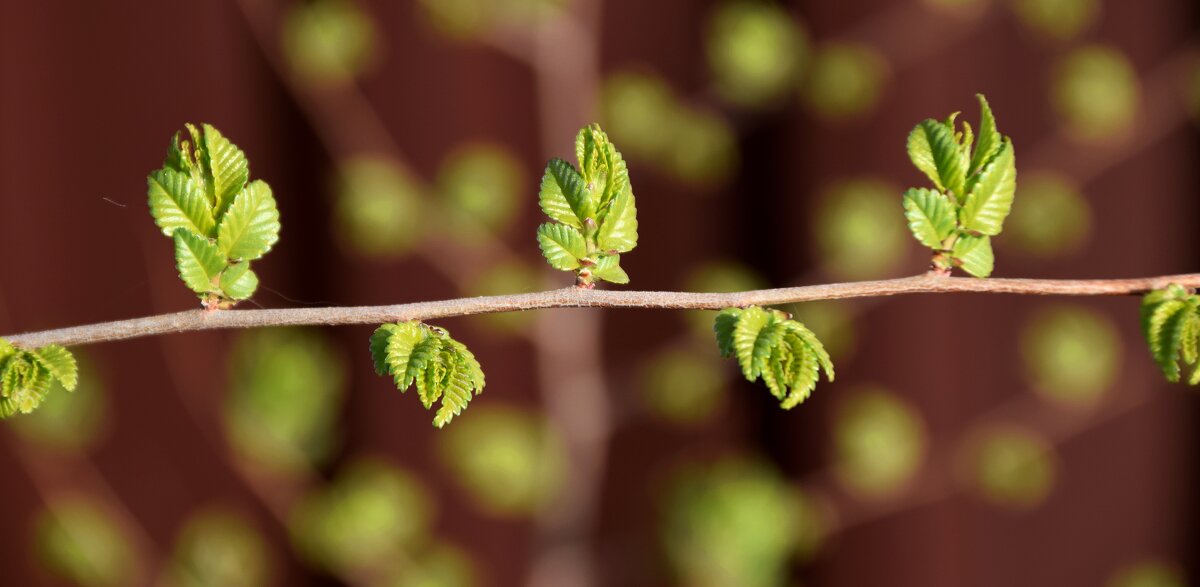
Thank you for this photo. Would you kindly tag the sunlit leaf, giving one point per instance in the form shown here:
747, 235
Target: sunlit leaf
176, 201
933, 150
991, 196
931, 216
563, 246
251, 225
974, 255
199, 261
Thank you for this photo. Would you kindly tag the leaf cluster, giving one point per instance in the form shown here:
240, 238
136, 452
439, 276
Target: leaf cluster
220, 221
593, 208
769, 344
1171, 324
975, 180
26, 376
427, 357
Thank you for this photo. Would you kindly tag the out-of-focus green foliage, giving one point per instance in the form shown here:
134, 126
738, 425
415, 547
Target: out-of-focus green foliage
328, 41
755, 51
858, 233
1171, 324
285, 395
468, 18
831, 321
68, 422
1148, 573
508, 460
1071, 354
503, 279
1096, 93
975, 181
683, 386
437, 565
1058, 19
479, 185
370, 517
1010, 467
845, 80
593, 209
426, 357
26, 376
879, 442
653, 125
813, 520
380, 208
770, 345
731, 524
1053, 219
217, 548
80, 541
717, 277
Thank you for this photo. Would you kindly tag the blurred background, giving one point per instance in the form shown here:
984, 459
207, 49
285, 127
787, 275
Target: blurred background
968, 440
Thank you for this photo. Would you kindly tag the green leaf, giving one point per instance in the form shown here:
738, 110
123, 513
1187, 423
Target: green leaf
604, 171
1171, 324
199, 261
990, 140
238, 281
974, 254
563, 196
177, 201
991, 196
251, 226
440, 367
60, 363
226, 164
724, 326
608, 268
618, 230
745, 338
24, 383
563, 246
932, 148
179, 156
931, 216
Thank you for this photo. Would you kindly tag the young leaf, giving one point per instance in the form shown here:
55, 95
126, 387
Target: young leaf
1171, 324
991, 196
24, 383
176, 201
932, 148
989, 138
60, 363
228, 167
974, 254
179, 156
440, 367
618, 230
931, 216
238, 282
251, 226
563, 184
768, 345
198, 260
608, 268
563, 246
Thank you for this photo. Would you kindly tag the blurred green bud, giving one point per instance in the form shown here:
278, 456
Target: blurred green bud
380, 209
1010, 467
217, 548
1071, 354
80, 541
480, 186
69, 421
439, 565
328, 41
704, 150
468, 18
731, 523
684, 387
1148, 573
508, 460
368, 516
844, 81
879, 441
639, 112
859, 233
1053, 218
503, 279
1096, 93
285, 394
1058, 19
755, 51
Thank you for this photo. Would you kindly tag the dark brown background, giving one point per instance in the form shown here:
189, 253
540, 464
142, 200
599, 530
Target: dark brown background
89, 91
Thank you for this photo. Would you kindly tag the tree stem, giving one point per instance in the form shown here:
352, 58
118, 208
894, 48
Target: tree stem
575, 297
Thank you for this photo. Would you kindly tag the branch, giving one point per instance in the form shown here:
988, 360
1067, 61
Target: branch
573, 297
